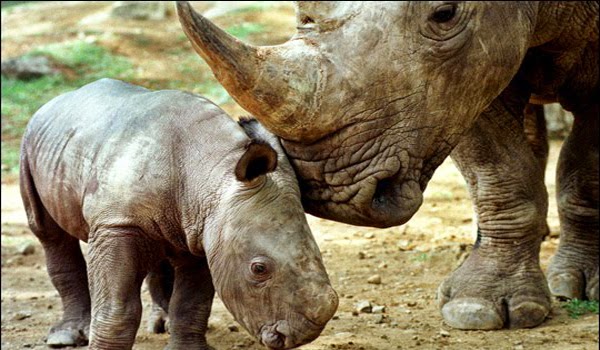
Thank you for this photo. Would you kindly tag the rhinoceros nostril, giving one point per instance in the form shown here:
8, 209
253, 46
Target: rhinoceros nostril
384, 192
272, 339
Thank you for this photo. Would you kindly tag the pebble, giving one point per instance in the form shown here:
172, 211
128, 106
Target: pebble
375, 279
382, 266
364, 306
444, 333
26, 248
369, 235
21, 315
378, 309
411, 303
233, 328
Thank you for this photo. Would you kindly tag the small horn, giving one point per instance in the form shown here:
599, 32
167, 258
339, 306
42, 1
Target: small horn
270, 82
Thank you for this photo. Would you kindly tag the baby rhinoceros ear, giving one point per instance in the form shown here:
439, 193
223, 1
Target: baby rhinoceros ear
259, 159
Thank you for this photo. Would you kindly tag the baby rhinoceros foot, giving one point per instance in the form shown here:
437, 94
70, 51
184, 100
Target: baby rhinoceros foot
573, 273
158, 322
486, 293
69, 333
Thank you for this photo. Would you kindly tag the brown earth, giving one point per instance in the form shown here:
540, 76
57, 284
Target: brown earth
412, 260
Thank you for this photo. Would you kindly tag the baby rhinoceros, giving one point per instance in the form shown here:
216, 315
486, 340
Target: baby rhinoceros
146, 177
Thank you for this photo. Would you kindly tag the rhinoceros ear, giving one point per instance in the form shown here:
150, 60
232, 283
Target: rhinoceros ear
259, 159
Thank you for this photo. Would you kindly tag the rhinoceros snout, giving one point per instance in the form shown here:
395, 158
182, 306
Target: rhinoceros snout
326, 306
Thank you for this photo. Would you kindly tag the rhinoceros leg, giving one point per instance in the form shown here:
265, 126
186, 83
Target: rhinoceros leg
190, 304
66, 267
160, 285
501, 283
118, 261
573, 272
537, 133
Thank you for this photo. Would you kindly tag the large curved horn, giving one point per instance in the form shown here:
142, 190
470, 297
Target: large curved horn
276, 84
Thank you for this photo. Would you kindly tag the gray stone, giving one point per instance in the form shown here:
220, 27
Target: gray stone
27, 68
140, 10
27, 248
364, 306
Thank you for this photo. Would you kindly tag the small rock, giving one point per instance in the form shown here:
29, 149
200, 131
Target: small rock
363, 306
411, 303
362, 255
519, 347
369, 235
444, 333
27, 248
140, 10
378, 309
382, 265
375, 279
26, 68
404, 245
336, 317
233, 328
380, 319
21, 315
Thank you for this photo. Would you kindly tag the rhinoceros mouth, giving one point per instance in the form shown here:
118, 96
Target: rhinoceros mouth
390, 202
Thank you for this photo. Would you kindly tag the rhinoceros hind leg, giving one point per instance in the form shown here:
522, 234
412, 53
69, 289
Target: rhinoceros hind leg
501, 284
160, 285
573, 272
66, 267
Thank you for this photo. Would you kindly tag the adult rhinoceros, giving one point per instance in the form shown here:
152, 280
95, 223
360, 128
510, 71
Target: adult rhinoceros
369, 98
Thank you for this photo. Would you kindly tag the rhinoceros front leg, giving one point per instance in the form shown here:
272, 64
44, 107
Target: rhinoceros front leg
190, 305
573, 272
501, 283
118, 264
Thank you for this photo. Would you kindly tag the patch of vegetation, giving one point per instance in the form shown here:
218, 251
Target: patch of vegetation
243, 30
576, 307
421, 257
21, 99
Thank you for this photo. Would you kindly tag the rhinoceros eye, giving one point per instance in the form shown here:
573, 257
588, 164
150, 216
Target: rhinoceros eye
443, 13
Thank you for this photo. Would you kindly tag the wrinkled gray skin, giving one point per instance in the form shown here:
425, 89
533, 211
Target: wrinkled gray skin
165, 180
370, 97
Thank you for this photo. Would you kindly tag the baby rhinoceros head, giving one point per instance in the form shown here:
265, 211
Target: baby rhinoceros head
265, 263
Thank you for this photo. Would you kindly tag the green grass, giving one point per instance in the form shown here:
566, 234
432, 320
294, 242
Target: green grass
243, 30
576, 307
20, 99
420, 257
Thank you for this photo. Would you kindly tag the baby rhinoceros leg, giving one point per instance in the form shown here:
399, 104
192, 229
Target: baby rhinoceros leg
190, 304
119, 260
160, 286
66, 267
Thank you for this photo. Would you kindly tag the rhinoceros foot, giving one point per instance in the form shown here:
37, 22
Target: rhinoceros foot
485, 293
69, 333
573, 272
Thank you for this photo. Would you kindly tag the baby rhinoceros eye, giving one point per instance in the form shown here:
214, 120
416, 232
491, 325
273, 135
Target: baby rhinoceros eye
258, 268
261, 269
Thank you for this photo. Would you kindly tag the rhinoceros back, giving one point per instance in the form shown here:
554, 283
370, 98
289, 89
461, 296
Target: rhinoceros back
111, 153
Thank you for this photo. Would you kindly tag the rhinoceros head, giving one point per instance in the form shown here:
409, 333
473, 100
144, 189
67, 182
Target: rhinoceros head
264, 261
370, 97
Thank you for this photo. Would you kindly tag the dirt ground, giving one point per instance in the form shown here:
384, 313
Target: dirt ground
411, 260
